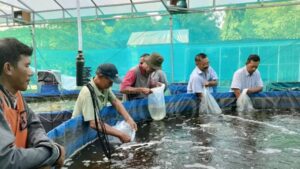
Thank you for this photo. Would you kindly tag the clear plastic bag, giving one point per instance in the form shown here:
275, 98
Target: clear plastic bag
156, 103
208, 103
124, 127
244, 103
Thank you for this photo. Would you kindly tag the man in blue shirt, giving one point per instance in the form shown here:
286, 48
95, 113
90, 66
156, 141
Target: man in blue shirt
202, 76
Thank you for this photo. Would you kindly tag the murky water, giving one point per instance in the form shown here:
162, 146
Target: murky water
263, 140
52, 105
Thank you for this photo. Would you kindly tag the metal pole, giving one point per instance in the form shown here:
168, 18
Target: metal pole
79, 26
278, 61
34, 50
171, 49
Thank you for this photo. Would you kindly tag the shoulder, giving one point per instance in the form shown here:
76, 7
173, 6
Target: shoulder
84, 92
240, 71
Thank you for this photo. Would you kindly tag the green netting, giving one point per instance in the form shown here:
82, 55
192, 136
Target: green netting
228, 37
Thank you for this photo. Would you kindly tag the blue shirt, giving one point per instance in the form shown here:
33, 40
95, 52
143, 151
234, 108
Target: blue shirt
198, 78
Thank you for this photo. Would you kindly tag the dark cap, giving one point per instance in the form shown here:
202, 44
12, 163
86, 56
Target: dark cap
109, 70
154, 61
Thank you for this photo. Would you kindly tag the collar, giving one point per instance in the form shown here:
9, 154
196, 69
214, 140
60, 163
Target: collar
97, 91
246, 71
199, 71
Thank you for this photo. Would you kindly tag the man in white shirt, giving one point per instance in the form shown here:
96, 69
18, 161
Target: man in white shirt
202, 76
247, 77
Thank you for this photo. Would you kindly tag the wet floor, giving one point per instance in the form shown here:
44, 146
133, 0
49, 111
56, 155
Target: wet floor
260, 140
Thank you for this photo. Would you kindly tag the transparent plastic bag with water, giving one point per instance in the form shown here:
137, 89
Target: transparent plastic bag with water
243, 103
124, 127
208, 103
156, 103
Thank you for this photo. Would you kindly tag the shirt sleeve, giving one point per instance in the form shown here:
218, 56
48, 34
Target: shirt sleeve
111, 96
259, 82
236, 81
128, 80
84, 105
213, 74
196, 84
39, 152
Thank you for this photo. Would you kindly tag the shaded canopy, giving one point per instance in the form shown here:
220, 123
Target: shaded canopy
14, 12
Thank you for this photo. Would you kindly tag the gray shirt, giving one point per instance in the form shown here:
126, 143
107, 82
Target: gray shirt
40, 150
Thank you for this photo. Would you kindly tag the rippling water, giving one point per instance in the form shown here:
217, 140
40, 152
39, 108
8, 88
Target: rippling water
265, 139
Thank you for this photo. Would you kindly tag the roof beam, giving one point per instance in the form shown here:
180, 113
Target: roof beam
97, 8
133, 6
63, 9
31, 10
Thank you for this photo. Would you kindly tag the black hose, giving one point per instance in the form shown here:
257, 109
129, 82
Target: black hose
102, 137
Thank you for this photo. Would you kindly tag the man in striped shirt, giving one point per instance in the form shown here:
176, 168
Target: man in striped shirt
247, 77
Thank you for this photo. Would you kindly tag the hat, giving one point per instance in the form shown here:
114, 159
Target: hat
109, 70
154, 61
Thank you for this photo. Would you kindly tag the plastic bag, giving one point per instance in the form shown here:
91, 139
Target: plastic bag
208, 103
124, 127
244, 103
156, 103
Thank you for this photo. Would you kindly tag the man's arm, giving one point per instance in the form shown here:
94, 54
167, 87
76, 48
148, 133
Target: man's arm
254, 90
110, 131
237, 92
121, 109
211, 83
128, 82
42, 151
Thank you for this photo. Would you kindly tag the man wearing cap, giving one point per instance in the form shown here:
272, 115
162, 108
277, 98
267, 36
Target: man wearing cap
106, 74
202, 76
137, 82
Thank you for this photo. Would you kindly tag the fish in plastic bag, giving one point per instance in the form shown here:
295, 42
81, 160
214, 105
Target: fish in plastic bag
244, 103
156, 103
208, 103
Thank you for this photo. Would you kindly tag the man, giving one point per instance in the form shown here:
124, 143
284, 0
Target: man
99, 87
24, 143
247, 77
137, 82
202, 76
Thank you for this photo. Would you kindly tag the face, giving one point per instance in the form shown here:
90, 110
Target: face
103, 82
203, 64
20, 74
252, 66
147, 68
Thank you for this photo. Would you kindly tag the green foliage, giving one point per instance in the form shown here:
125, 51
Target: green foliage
263, 23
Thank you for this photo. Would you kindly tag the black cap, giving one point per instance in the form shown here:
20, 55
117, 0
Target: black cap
109, 70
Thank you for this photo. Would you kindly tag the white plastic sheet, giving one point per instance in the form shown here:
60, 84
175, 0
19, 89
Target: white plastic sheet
156, 103
244, 103
208, 103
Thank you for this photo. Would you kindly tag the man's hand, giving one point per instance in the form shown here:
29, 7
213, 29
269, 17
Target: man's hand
60, 161
125, 138
146, 91
132, 124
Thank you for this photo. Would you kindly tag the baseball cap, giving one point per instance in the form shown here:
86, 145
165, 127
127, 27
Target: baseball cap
110, 71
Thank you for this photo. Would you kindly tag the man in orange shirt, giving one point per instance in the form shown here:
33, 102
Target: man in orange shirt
24, 143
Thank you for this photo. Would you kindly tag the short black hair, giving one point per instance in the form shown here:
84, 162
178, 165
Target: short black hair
11, 50
253, 57
200, 55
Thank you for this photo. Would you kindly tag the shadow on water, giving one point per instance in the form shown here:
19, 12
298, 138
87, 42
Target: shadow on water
264, 139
